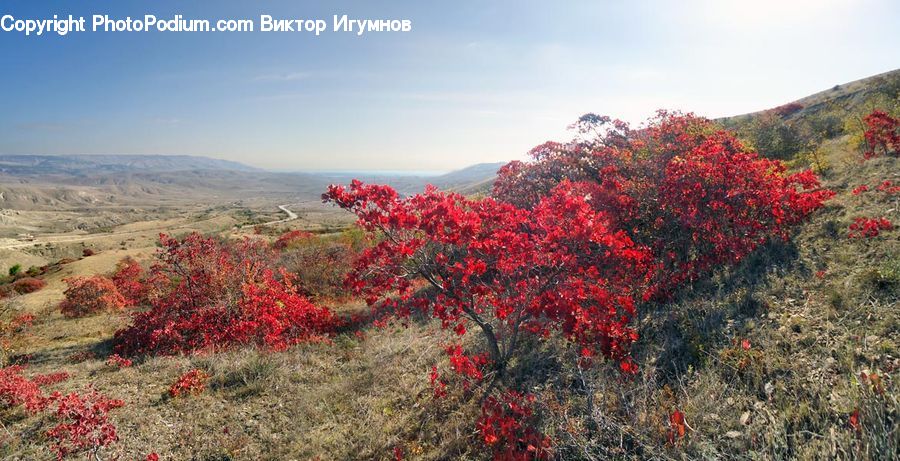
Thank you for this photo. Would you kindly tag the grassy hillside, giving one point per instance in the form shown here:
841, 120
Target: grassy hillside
769, 360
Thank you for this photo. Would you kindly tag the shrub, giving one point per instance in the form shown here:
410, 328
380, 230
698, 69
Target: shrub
83, 424
868, 227
16, 390
888, 187
90, 295
881, 136
290, 238
788, 109
216, 294
129, 281
15, 269
860, 189
508, 271
690, 192
118, 361
190, 383
88, 252
505, 428
28, 285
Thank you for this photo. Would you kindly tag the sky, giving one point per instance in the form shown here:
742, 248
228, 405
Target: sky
472, 82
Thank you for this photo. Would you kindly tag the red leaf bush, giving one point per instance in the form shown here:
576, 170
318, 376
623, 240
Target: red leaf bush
508, 271
882, 135
689, 192
118, 361
570, 243
16, 390
869, 227
129, 280
888, 187
190, 383
290, 238
28, 285
505, 429
211, 294
90, 295
83, 424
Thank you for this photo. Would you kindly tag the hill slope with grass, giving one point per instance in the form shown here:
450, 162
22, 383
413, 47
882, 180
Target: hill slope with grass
792, 354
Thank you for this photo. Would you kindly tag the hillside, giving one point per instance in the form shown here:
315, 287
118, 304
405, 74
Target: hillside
793, 353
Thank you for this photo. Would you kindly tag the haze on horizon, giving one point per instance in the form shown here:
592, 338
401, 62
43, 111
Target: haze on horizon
473, 82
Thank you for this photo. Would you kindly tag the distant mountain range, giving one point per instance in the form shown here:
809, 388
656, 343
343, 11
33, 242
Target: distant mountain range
67, 181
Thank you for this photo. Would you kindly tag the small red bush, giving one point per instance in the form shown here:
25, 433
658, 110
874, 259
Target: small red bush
90, 295
869, 227
88, 252
83, 424
505, 427
117, 361
16, 390
190, 383
889, 188
289, 238
28, 285
211, 294
788, 109
881, 135
860, 189
129, 280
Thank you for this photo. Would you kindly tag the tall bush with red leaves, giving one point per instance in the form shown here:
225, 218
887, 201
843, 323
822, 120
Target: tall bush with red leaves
691, 193
129, 280
506, 271
882, 134
211, 294
90, 295
570, 243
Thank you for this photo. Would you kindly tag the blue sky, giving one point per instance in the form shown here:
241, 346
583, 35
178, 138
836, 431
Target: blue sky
475, 81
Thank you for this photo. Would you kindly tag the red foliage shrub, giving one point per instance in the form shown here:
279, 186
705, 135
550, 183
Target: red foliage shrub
788, 109
83, 424
118, 361
889, 188
289, 238
505, 428
215, 294
50, 378
868, 227
882, 134
860, 189
190, 383
691, 193
16, 390
129, 281
88, 252
509, 271
90, 295
677, 427
572, 241
28, 285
